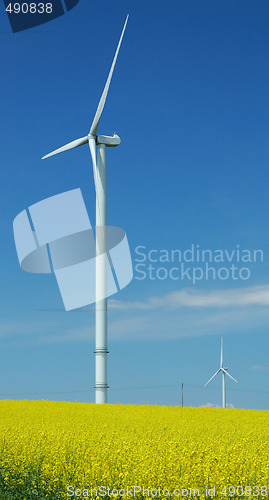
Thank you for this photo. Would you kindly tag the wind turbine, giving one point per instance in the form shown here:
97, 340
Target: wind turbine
224, 371
99, 172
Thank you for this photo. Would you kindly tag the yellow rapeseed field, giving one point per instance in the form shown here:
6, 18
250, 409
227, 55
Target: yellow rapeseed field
64, 450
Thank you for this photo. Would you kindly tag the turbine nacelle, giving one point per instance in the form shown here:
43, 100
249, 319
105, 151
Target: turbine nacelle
110, 141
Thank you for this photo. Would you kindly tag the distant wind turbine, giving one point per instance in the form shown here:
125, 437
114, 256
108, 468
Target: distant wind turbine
224, 371
99, 172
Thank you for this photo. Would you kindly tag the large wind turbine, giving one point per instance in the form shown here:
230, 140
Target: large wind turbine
224, 371
99, 171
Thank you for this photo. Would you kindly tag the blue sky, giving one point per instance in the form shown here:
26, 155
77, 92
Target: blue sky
189, 99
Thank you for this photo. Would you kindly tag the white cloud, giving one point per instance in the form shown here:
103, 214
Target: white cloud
211, 405
259, 367
193, 298
12, 329
182, 314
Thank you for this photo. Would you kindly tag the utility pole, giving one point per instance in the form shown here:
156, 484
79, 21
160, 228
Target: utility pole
182, 394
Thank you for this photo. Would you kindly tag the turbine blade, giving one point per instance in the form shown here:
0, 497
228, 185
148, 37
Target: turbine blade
100, 236
229, 375
221, 353
213, 377
70, 145
102, 101
92, 146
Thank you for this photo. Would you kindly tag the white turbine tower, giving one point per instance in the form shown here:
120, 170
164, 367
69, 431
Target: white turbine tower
224, 371
99, 171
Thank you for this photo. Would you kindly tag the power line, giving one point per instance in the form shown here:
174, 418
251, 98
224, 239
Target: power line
126, 389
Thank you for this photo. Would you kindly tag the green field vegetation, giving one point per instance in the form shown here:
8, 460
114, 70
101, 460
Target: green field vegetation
4, 497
